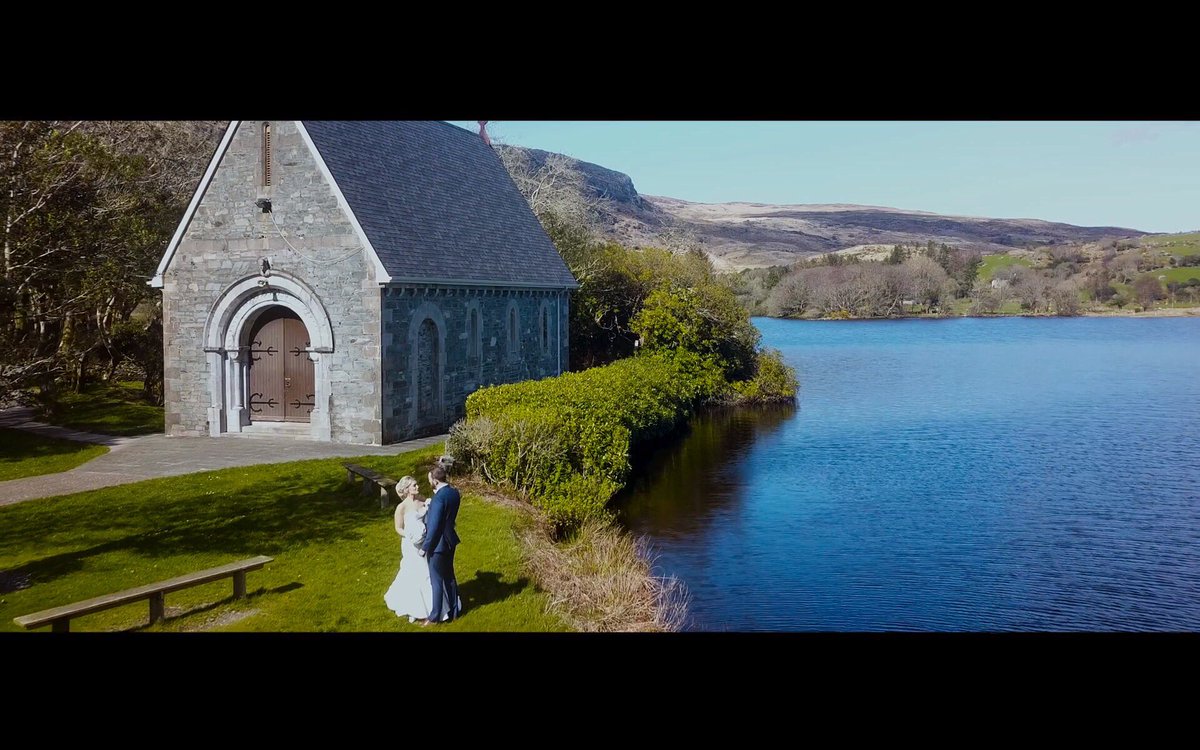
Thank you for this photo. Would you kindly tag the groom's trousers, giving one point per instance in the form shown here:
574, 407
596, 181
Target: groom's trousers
445, 585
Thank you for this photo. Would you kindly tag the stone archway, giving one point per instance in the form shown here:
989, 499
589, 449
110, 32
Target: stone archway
427, 368
229, 345
429, 376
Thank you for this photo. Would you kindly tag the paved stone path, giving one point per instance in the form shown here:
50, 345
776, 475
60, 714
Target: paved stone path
132, 459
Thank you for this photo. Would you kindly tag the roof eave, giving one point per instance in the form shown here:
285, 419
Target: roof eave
418, 281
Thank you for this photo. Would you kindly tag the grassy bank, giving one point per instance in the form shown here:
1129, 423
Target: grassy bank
994, 263
104, 408
335, 552
1176, 244
24, 454
599, 578
1180, 275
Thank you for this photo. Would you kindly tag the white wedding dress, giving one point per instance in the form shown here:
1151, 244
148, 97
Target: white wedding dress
411, 593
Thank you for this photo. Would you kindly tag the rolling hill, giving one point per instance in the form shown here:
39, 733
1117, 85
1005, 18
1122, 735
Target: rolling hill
755, 235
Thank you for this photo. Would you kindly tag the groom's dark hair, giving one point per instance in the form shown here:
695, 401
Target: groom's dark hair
438, 473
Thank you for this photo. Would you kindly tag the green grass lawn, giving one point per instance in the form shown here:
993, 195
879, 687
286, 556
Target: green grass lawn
335, 552
1177, 244
105, 408
24, 454
993, 263
1175, 274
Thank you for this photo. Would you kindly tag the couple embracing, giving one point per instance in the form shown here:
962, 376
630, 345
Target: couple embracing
425, 589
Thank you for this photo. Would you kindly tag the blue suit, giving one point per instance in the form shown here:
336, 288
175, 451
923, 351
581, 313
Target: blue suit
440, 541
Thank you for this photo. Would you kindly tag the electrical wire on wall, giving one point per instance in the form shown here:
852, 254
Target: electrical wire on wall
318, 261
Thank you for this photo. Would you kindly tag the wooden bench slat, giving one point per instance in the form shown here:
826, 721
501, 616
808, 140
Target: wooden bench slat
108, 601
371, 474
372, 482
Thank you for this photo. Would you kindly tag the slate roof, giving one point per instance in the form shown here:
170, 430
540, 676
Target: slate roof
437, 204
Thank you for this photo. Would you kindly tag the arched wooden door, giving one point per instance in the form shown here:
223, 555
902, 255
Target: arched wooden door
281, 387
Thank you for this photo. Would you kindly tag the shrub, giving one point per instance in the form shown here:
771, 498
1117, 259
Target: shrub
470, 442
522, 448
774, 381
705, 320
577, 500
564, 442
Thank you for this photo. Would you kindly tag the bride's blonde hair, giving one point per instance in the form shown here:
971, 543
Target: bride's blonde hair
405, 484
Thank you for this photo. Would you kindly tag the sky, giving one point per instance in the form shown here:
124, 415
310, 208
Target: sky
1139, 175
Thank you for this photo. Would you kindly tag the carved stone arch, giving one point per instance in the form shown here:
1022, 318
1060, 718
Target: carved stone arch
243, 297
226, 335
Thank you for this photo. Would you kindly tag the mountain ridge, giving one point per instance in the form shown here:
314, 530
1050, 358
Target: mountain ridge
745, 234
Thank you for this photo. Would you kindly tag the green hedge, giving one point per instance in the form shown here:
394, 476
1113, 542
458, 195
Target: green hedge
564, 442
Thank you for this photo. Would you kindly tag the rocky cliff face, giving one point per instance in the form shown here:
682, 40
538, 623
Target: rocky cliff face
604, 183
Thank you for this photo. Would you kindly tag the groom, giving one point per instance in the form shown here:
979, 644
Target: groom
440, 541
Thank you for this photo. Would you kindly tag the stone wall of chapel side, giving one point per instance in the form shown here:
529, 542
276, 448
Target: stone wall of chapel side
462, 370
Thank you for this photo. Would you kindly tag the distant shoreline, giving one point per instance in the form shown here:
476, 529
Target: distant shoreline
1168, 312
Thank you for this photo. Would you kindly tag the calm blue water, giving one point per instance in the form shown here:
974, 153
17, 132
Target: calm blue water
961, 475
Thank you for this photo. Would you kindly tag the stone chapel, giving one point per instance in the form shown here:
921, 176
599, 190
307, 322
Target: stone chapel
354, 282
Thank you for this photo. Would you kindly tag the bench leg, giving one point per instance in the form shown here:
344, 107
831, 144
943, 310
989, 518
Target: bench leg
349, 476
60, 626
368, 485
385, 497
158, 607
239, 585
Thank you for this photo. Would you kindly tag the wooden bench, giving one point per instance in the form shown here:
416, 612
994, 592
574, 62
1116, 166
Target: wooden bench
373, 483
59, 618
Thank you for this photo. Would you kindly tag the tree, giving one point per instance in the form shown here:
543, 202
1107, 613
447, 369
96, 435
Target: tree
985, 300
553, 186
926, 281
87, 210
1124, 267
1064, 299
702, 320
791, 297
1099, 286
1147, 289
1103, 292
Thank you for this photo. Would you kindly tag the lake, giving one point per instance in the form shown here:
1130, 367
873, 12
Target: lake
968, 474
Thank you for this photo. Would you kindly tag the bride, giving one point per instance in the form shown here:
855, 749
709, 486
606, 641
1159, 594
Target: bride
411, 593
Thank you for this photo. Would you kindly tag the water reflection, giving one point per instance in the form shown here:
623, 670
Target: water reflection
681, 485
962, 475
